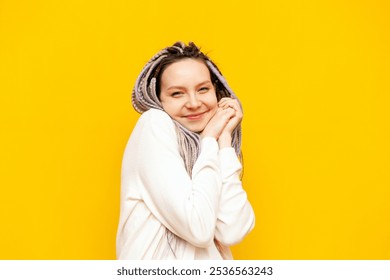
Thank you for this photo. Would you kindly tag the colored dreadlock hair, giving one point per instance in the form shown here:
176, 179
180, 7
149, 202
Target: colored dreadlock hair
146, 93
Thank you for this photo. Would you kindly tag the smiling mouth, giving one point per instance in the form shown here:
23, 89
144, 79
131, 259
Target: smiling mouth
195, 116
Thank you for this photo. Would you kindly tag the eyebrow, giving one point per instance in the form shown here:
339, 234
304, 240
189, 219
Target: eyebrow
180, 87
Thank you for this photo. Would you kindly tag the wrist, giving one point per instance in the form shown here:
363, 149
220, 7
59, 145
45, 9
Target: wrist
205, 134
225, 140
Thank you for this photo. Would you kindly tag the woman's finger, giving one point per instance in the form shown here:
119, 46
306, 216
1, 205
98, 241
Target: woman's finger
224, 100
232, 104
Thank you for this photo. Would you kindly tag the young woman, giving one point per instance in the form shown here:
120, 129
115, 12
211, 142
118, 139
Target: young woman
181, 193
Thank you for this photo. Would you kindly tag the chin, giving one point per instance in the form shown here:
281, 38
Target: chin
195, 128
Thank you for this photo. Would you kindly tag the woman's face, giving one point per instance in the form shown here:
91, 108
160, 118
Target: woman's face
187, 93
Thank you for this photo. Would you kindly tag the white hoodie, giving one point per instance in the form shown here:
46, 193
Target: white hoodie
166, 214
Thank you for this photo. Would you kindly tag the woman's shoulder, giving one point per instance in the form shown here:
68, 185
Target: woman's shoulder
155, 115
157, 121
154, 130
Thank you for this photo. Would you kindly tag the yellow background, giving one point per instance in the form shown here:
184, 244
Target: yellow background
313, 77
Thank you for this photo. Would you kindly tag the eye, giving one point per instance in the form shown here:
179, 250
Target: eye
176, 94
204, 89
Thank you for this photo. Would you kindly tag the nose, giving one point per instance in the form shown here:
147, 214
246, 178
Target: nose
193, 101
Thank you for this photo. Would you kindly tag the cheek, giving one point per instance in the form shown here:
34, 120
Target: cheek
172, 108
214, 108
167, 107
213, 103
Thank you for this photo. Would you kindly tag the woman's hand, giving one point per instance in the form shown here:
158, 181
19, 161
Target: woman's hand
225, 120
225, 138
226, 103
218, 122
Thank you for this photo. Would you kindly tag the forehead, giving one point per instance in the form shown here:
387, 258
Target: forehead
186, 70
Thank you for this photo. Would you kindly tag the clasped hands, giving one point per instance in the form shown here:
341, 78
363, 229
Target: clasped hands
227, 117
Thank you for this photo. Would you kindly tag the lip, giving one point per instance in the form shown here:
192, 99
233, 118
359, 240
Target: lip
195, 116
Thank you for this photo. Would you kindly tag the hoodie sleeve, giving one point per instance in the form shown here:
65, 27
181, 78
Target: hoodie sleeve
235, 217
